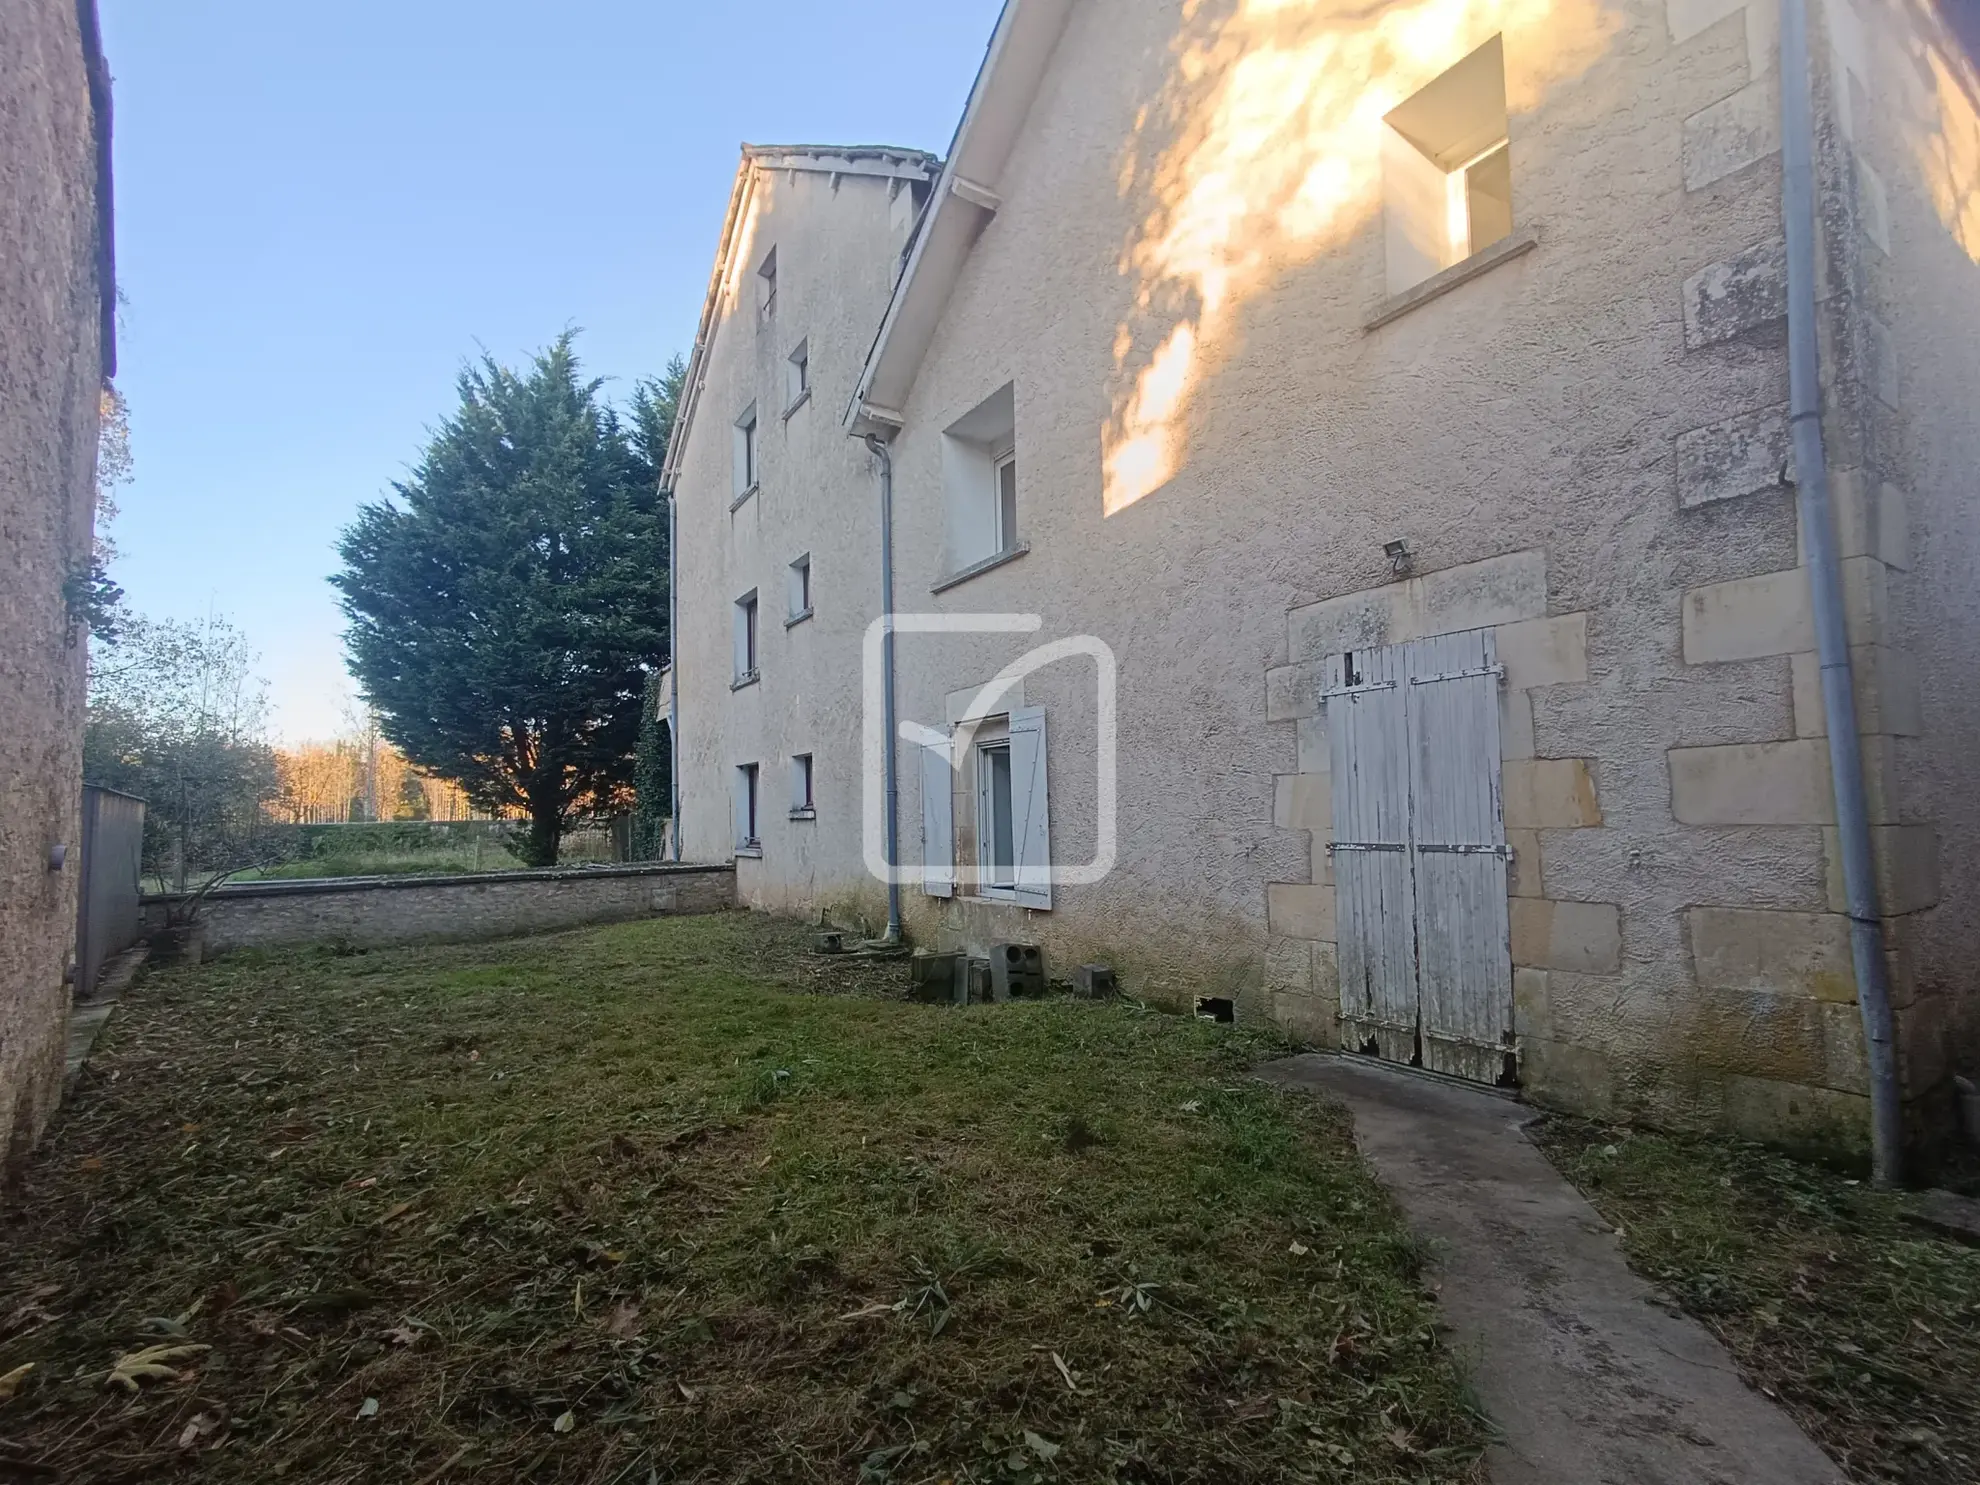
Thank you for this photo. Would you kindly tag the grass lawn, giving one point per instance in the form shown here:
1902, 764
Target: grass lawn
673, 1201
1866, 1327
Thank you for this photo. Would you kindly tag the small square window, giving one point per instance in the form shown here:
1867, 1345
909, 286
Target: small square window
802, 804
980, 484
766, 286
745, 639
1447, 170
799, 586
797, 376
747, 837
745, 453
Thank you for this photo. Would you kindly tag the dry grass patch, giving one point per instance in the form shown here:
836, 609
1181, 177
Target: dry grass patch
1864, 1326
628, 1205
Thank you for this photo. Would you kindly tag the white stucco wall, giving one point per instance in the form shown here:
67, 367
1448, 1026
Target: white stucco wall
838, 249
1582, 448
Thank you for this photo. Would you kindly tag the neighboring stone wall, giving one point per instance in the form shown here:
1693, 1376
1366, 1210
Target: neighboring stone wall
50, 380
377, 912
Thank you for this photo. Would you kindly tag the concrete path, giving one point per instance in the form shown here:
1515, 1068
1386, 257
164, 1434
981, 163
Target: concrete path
1590, 1382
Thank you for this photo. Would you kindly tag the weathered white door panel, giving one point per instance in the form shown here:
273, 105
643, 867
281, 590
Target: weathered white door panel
1457, 838
1373, 888
1419, 854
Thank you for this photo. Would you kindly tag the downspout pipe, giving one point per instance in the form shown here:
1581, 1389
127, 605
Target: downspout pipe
674, 675
1866, 923
889, 762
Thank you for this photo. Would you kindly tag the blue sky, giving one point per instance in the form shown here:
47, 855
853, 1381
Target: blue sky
322, 210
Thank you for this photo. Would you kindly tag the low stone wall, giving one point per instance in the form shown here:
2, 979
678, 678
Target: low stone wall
374, 912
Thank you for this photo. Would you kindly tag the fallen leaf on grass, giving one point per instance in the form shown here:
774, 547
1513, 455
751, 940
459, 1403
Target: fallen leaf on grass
1299, 1250
202, 1425
1065, 1371
396, 1213
566, 1421
11, 1382
150, 1365
869, 1311
1043, 1447
623, 1322
369, 1408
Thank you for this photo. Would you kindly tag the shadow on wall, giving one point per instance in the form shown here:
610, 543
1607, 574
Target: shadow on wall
1264, 150
1943, 131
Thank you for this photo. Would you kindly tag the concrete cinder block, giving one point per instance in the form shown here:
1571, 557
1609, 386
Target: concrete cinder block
1300, 910
1786, 953
1291, 692
1550, 794
1585, 937
1907, 863
1741, 455
1748, 618
1544, 652
1473, 595
1731, 134
1887, 694
1736, 295
1777, 783
1303, 801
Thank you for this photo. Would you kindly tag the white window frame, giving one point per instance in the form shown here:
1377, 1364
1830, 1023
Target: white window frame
1006, 512
748, 454
766, 286
797, 591
749, 838
797, 377
747, 640
986, 820
804, 803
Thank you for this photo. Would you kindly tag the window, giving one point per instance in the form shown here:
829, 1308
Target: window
802, 806
995, 848
766, 286
1002, 795
1007, 532
745, 658
1447, 170
745, 803
797, 377
799, 590
745, 457
980, 485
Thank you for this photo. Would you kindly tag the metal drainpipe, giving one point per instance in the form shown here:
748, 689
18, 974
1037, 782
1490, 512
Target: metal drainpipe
887, 752
1866, 924
674, 673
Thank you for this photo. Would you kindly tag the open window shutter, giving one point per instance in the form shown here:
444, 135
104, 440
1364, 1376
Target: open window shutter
1031, 821
938, 820
938, 825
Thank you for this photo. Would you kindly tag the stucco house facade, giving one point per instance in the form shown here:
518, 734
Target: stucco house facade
57, 349
1373, 422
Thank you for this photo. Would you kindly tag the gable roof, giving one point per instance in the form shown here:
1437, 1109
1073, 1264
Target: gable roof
965, 199
882, 161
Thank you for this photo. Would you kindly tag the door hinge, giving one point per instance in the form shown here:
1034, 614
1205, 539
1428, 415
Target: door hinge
1498, 671
1503, 852
1361, 845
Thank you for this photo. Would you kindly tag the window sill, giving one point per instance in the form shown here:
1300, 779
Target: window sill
802, 398
807, 813
737, 504
796, 619
1522, 242
977, 569
743, 681
749, 853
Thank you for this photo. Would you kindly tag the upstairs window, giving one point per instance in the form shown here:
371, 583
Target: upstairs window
803, 807
980, 483
745, 639
766, 286
745, 454
797, 377
798, 585
1447, 170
